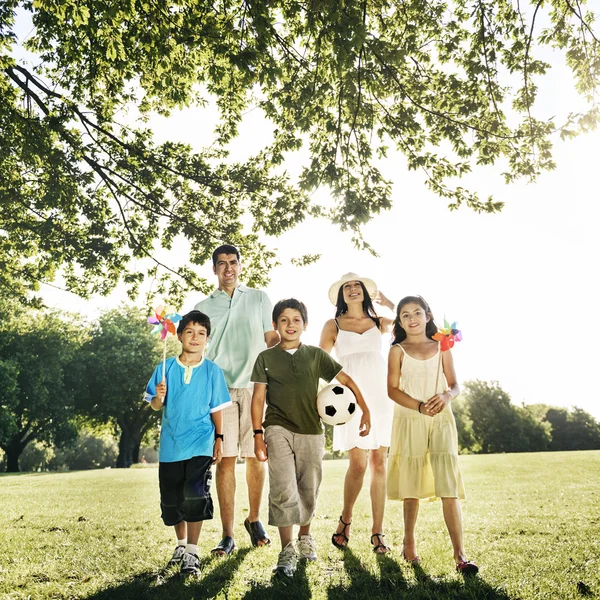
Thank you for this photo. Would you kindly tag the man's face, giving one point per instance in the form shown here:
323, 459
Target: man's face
227, 270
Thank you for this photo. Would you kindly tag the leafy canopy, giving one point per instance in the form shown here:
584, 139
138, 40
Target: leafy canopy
450, 84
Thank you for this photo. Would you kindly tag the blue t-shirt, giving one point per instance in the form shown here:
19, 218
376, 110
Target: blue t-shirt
193, 393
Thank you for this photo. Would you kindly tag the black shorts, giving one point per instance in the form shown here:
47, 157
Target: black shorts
185, 490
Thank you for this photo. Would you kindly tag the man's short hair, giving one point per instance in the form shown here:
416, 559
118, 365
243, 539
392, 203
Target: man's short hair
196, 317
225, 249
290, 303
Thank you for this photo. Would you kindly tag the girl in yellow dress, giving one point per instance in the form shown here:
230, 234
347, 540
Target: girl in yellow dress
423, 460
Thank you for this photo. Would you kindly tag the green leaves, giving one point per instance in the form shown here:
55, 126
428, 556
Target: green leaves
451, 85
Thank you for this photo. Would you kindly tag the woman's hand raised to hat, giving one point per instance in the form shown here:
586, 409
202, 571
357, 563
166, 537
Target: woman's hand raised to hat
381, 299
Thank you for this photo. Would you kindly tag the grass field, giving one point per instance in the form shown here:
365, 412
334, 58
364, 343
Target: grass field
532, 522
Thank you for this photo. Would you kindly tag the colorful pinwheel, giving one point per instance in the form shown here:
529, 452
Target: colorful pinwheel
447, 335
164, 322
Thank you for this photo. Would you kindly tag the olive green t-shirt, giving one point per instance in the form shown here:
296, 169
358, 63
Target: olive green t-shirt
292, 384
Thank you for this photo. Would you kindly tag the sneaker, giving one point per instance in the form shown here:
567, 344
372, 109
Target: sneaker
286, 562
190, 565
177, 556
307, 548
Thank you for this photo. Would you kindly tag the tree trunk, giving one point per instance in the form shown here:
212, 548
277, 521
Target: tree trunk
13, 452
129, 445
126, 443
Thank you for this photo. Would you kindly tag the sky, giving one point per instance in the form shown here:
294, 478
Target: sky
521, 283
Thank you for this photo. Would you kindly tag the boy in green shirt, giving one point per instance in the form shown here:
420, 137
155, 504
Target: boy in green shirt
287, 377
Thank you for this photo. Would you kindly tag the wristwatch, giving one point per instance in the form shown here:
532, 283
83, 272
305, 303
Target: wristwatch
258, 431
219, 436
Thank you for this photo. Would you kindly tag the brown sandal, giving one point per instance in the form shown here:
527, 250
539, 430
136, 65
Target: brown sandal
380, 548
342, 534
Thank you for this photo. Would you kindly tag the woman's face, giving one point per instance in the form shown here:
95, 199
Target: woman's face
353, 292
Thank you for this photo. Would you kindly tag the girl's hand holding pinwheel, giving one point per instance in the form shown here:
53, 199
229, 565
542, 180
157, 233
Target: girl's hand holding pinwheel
447, 336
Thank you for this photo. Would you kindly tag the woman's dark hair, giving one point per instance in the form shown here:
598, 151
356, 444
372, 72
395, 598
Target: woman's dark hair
341, 307
398, 331
290, 303
196, 317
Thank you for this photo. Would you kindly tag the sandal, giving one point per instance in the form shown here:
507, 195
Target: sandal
380, 548
411, 561
342, 534
224, 548
467, 567
257, 533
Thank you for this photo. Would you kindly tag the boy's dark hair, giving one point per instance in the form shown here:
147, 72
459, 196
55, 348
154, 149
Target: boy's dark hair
290, 303
196, 317
224, 249
398, 330
341, 307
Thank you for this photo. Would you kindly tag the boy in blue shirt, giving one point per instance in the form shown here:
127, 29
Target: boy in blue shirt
191, 439
287, 377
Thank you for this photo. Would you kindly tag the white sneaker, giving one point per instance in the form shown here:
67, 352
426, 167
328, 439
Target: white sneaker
307, 548
286, 562
177, 556
190, 565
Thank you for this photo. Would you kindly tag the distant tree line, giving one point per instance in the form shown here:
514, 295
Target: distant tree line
71, 397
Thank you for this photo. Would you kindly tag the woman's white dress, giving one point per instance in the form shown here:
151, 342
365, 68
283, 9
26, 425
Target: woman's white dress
361, 356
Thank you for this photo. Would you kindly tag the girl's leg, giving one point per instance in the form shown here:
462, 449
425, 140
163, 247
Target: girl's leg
377, 461
352, 485
409, 546
453, 518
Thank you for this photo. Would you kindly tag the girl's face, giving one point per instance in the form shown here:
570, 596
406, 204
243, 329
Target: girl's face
353, 292
413, 319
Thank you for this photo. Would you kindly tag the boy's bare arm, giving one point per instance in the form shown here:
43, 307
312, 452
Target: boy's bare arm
217, 419
257, 411
158, 401
365, 422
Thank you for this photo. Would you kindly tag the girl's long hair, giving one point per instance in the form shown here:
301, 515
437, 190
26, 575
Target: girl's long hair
341, 307
398, 331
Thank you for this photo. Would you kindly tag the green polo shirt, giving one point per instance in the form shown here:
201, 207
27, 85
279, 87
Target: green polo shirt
292, 385
238, 326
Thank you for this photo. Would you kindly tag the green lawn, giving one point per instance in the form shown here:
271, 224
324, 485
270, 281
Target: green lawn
532, 522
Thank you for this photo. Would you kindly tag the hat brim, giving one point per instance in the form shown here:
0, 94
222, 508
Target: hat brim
368, 283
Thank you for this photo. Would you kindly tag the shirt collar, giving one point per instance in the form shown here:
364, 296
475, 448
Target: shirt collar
190, 366
240, 288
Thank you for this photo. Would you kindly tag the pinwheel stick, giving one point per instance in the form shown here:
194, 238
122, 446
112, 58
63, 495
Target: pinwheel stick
164, 377
437, 377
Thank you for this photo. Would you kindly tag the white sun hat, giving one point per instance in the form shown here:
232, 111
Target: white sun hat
335, 288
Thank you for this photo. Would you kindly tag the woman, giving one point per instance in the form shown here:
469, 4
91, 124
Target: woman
356, 335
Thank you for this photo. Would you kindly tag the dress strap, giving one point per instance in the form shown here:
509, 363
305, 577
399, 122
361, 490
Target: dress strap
400, 346
337, 324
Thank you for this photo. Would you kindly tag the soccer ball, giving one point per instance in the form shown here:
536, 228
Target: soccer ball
336, 404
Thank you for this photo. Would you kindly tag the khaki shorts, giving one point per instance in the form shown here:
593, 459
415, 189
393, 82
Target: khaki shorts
295, 473
237, 424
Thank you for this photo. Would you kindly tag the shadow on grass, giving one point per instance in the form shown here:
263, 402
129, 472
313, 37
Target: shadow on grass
292, 588
170, 584
392, 583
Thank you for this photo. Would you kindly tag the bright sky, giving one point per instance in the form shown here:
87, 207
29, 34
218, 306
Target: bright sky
521, 284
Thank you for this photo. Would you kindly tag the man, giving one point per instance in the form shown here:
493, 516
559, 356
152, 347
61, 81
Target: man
241, 328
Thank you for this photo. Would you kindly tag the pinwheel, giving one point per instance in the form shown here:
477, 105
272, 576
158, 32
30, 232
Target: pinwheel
164, 323
446, 336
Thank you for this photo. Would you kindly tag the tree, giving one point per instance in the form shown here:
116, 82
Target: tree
571, 429
115, 366
37, 352
498, 425
85, 189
